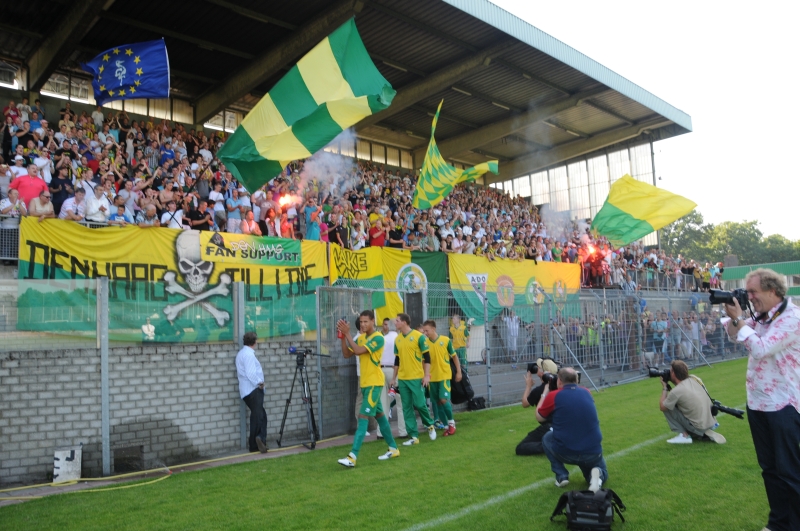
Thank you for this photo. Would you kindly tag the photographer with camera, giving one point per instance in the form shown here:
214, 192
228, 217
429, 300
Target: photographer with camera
575, 438
772, 338
687, 407
546, 370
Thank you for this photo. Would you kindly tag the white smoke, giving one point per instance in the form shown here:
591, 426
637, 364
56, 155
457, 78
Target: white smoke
557, 224
335, 173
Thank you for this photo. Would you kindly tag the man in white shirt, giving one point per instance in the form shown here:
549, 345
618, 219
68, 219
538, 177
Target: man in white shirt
220, 216
773, 389
173, 217
18, 168
148, 331
251, 390
98, 208
387, 366
97, 118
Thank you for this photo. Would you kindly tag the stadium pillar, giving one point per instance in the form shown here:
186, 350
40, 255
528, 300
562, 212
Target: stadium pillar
62, 41
436, 82
273, 60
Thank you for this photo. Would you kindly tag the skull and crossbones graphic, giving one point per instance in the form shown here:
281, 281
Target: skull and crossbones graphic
196, 273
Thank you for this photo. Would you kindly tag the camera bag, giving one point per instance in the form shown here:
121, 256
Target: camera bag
589, 511
462, 391
475, 404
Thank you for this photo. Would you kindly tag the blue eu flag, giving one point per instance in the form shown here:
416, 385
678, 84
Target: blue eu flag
131, 71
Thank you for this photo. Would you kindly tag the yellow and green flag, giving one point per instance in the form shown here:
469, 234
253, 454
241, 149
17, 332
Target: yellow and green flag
437, 178
634, 209
331, 88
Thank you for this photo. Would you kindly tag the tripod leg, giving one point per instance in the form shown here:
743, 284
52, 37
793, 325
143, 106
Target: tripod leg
312, 423
286, 408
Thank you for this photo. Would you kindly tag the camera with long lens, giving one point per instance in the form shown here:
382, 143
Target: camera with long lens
716, 407
664, 374
719, 296
547, 377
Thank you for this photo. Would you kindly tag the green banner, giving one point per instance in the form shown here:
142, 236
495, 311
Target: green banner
249, 250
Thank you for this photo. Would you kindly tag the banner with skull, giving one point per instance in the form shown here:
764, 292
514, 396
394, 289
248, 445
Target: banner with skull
161, 278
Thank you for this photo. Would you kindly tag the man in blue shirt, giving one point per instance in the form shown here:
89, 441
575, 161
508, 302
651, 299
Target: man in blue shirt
167, 154
575, 438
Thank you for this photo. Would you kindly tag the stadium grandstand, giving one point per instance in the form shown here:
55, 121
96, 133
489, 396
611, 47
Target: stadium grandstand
562, 127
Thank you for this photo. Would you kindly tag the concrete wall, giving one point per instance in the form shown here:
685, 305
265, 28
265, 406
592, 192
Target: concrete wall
169, 404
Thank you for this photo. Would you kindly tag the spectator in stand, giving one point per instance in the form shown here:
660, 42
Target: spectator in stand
377, 235
98, 207
249, 225
29, 185
119, 217
148, 217
173, 217
41, 207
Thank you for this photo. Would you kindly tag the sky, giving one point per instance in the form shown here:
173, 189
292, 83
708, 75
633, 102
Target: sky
731, 66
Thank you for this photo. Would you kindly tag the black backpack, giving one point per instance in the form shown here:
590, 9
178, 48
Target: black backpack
589, 511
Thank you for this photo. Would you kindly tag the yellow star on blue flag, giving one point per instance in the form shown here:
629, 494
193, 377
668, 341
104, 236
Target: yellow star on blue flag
117, 70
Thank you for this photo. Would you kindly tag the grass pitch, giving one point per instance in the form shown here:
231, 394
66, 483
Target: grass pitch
470, 481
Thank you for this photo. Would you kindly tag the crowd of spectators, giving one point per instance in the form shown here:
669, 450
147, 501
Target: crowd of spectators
105, 169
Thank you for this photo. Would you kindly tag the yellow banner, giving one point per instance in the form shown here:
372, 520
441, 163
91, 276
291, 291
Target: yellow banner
509, 283
355, 265
59, 249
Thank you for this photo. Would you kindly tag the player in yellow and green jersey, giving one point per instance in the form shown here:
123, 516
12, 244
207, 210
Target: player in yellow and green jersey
442, 355
369, 348
412, 372
459, 334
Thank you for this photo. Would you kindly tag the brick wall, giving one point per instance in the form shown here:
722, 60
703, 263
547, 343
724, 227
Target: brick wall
169, 404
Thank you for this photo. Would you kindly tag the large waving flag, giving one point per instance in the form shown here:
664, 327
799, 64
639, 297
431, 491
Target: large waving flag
331, 88
634, 209
437, 178
130, 71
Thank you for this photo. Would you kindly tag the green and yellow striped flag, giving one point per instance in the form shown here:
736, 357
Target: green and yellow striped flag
331, 88
634, 209
437, 178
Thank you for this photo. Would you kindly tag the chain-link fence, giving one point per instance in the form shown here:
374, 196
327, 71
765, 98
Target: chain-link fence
610, 336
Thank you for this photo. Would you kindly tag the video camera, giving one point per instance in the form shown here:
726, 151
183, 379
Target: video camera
719, 296
301, 354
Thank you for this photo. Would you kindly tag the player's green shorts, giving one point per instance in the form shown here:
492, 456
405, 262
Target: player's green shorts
440, 390
462, 357
371, 405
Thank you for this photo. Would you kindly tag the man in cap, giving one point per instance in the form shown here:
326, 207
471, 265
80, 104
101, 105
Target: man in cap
532, 443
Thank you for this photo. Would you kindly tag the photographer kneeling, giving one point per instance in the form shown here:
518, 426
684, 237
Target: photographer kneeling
687, 407
532, 443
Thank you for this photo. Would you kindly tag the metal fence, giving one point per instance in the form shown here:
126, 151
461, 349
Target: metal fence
610, 336
9, 235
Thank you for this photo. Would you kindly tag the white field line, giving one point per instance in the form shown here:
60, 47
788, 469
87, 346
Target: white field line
522, 490
517, 492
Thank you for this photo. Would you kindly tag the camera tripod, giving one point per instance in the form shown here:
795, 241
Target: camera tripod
300, 370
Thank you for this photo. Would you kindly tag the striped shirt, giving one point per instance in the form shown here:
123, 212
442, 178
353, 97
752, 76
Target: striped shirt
249, 371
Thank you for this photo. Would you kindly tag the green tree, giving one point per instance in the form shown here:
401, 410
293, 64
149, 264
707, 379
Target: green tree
687, 236
734, 238
778, 248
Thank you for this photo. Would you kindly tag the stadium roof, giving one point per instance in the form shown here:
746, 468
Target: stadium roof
511, 91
